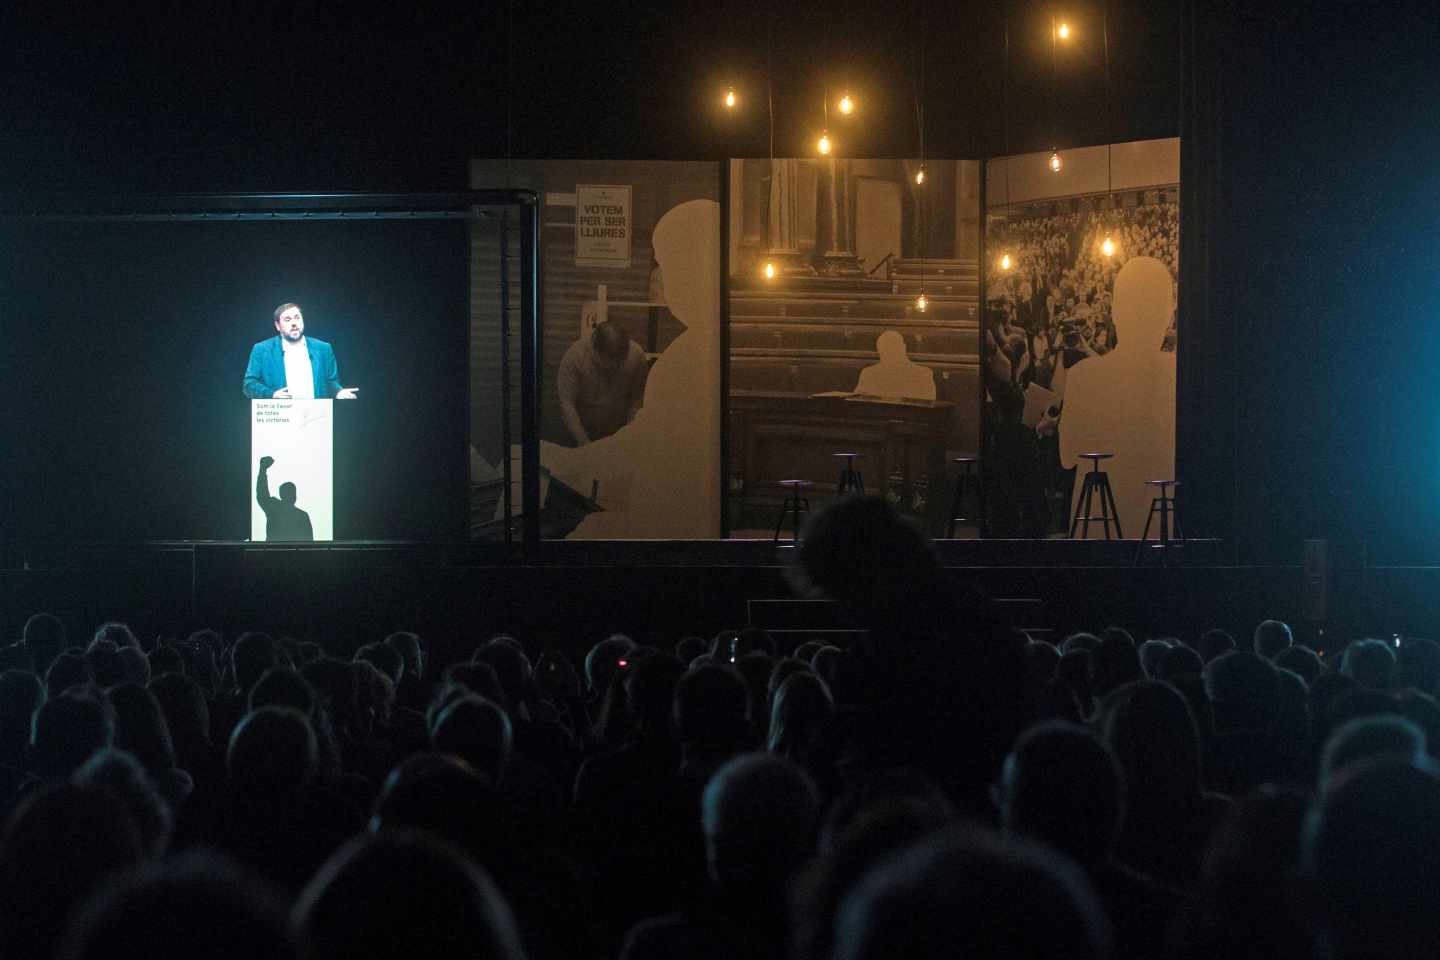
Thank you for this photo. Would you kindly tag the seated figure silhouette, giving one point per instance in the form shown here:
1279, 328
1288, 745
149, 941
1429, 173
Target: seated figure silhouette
283, 520
896, 376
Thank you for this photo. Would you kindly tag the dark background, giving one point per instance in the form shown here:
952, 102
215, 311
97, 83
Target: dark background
127, 344
1307, 379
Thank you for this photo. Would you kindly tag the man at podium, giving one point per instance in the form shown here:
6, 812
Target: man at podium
292, 366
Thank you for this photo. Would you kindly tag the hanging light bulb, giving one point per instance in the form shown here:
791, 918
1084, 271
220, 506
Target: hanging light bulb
730, 99
921, 304
1055, 162
847, 105
1005, 263
1108, 246
824, 144
769, 270
1063, 31
920, 176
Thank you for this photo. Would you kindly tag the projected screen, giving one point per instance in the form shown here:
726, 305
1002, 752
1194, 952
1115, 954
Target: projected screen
154, 366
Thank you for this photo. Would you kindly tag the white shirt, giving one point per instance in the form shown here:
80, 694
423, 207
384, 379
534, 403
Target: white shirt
299, 378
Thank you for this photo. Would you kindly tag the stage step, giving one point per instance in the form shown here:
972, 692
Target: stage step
787, 619
787, 614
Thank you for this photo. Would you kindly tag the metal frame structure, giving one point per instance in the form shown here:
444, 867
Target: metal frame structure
276, 207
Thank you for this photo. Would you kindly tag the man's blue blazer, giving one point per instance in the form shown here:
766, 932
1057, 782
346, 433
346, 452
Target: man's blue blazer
266, 371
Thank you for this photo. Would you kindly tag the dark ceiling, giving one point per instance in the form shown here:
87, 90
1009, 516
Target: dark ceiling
302, 95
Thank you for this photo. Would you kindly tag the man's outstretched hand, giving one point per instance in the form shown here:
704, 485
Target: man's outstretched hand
266, 463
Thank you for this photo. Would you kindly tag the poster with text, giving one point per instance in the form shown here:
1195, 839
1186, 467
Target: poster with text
292, 470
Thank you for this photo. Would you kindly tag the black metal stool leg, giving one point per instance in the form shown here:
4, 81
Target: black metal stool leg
1154, 506
780, 524
1102, 486
1079, 505
1114, 511
1089, 504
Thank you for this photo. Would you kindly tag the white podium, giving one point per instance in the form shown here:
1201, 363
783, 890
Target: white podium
299, 435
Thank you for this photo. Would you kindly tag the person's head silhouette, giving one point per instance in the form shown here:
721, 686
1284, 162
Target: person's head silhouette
287, 493
687, 247
1143, 304
891, 347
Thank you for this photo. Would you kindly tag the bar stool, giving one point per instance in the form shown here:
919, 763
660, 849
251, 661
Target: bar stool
1096, 481
966, 482
795, 504
851, 480
1165, 507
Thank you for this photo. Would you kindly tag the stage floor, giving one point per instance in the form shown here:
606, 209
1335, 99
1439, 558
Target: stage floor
747, 551
569, 592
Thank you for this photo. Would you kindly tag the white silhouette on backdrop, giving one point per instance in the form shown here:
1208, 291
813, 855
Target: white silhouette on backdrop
896, 376
1123, 402
659, 475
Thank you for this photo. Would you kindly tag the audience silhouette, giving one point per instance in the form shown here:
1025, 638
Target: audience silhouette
941, 785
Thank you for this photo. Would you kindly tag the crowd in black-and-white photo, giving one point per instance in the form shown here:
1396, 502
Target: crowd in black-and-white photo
1056, 288
1049, 308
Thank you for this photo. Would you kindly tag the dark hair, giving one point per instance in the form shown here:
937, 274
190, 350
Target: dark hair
44, 637
476, 678
512, 667
141, 728
861, 553
21, 694
688, 648
411, 651
385, 658
283, 687
1214, 642
478, 732
1371, 663
1417, 664
183, 702
123, 775
1272, 637
1303, 661
1367, 739
611, 340
58, 847
67, 670
67, 729
1063, 786
650, 694
964, 892
166, 659
1372, 855
117, 633
760, 815
273, 750
602, 662
1243, 692
800, 715
197, 905
136, 665
106, 667
254, 653
711, 706
286, 306
404, 894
